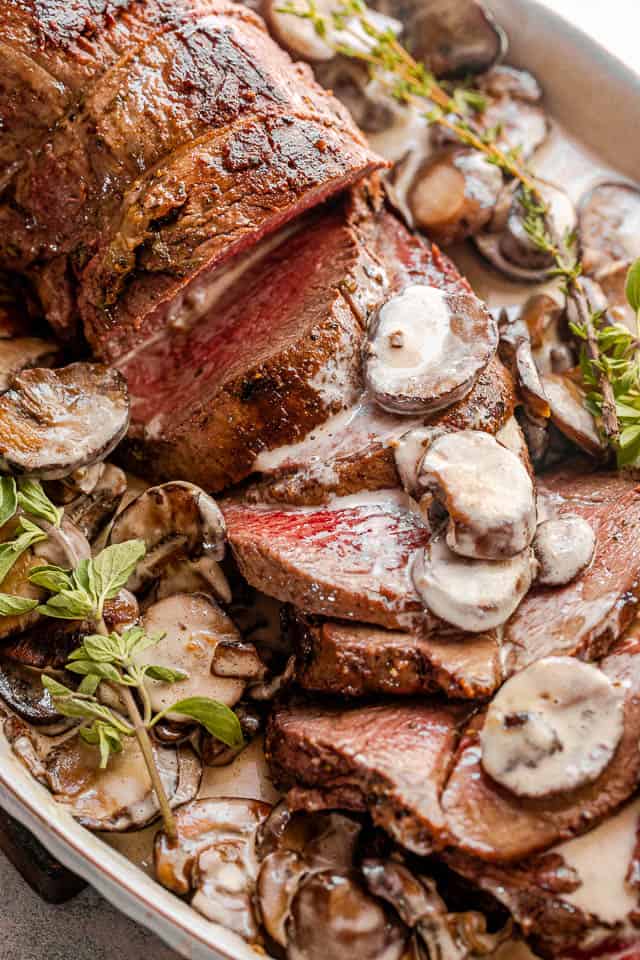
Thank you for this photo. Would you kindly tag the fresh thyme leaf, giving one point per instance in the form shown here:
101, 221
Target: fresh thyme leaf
33, 500
68, 605
113, 567
632, 288
214, 716
55, 688
11, 606
11, 550
51, 577
164, 674
8, 499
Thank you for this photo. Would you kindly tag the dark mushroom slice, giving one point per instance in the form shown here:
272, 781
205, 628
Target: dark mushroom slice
215, 859
452, 36
179, 523
426, 347
486, 491
22, 690
474, 595
546, 322
81, 481
453, 195
570, 415
92, 510
193, 627
505, 81
506, 243
553, 727
116, 799
333, 916
22, 353
54, 421
371, 106
564, 547
609, 226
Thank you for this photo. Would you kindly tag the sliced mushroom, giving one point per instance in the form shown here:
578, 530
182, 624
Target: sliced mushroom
609, 226
92, 510
451, 36
516, 353
177, 521
301, 39
570, 415
544, 319
332, 916
426, 347
81, 481
475, 595
65, 545
193, 626
505, 81
553, 727
116, 799
506, 242
53, 422
215, 859
486, 491
408, 454
564, 547
21, 689
453, 195
22, 353
521, 124
372, 106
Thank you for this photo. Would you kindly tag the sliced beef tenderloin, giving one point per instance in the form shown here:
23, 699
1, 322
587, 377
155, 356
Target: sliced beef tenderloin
580, 898
493, 824
390, 759
584, 617
276, 355
357, 660
191, 147
355, 450
351, 559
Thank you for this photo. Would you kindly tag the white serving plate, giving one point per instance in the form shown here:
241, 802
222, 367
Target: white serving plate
597, 100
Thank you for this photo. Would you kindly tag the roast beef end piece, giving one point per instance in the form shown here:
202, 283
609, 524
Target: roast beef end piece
53, 422
351, 559
391, 760
354, 660
493, 824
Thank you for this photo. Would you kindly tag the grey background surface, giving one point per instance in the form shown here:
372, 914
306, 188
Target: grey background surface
88, 928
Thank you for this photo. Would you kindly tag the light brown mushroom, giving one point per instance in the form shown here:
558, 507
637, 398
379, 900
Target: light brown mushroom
299, 36
453, 194
426, 347
91, 510
193, 627
116, 799
553, 727
609, 226
179, 524
408, 453
24, 352
564, 547
486, 491
215, 859
450, 36
570, 415
53, 422
474, 595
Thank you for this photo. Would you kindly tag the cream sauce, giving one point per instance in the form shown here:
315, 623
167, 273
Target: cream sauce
564, 548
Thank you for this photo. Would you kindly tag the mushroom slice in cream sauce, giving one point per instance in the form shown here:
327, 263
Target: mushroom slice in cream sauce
24, 352
426, 347
475, 595
564, 547
53, 422
302, 40
116, 799
553, 727
570, 415
486, 491
193, 628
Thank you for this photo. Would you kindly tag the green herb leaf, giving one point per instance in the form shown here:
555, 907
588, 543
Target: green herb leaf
55, 688
8, 499
90, 710
137, 641
106, 671
28, 535
15, 606
214, 716
84, 579
632, 289
106, 737
89, 684
164, 674
33, 500
101, 649
51, 577
113, 567
68, 605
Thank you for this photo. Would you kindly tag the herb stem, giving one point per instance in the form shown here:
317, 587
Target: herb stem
609, 414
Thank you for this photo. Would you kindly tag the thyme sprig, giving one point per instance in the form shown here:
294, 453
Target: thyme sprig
409, 82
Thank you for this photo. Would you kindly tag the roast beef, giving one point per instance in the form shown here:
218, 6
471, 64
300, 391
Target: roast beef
356, 660
351, 559
199, 140
492, 824
390, 759
583, 618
